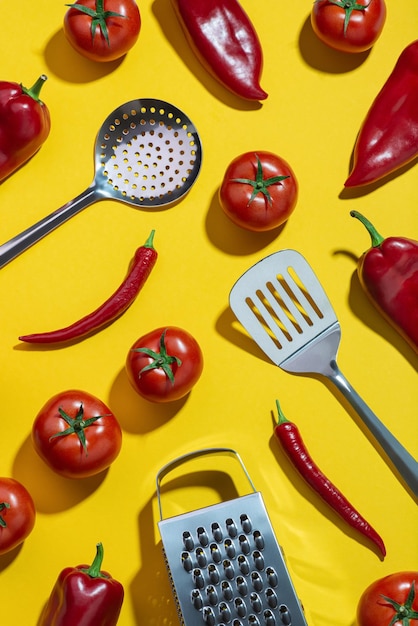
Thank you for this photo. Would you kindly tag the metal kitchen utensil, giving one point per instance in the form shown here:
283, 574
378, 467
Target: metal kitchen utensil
282, 305
224, 562
147, 154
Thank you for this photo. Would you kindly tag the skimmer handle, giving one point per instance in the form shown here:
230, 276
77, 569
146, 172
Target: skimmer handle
404, 462
193, 455
18, 244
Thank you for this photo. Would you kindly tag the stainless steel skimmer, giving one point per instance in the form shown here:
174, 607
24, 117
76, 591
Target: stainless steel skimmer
282, 305
147, 153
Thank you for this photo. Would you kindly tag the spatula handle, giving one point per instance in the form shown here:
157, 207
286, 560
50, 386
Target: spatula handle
18, 244
404, 462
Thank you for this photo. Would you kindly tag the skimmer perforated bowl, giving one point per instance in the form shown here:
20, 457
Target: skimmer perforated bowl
224, 562
147, 154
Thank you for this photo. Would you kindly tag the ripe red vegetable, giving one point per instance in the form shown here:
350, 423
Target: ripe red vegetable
388, 137
143, 262
84, 596
259, 191
348, 25
293, 445
390, 601
24, 124
388, 273
224, 40
17, 514
164, 364
76, 434
102, 30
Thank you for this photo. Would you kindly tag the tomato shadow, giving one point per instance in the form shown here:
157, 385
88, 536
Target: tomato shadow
150, 589
7, 559
313, 498
51, 492
135, 414
230, 237
173, 33
321, 57
69, 65
364, 310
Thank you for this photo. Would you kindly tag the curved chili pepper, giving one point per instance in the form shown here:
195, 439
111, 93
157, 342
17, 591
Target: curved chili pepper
292, 443
143, 262
388, 273
388, 137
24, 124
224, 40
84, 596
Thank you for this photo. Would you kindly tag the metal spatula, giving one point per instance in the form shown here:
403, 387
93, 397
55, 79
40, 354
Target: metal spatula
282, 305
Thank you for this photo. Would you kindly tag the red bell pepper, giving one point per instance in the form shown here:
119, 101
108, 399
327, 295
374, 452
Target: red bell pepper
24, 124
388, 273
388, 137
224, 40
84, 596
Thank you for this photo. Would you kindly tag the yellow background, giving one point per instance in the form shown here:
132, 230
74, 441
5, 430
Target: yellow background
317, 101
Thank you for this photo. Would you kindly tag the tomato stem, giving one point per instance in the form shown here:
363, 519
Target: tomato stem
349, 6
260, 185
77, 425
3, 505
404, 612
161, 360
98, 17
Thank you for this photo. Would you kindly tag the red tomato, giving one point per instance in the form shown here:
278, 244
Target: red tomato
76, 434
390, 601
17, 514
348, 25
102, 30
259, 191
164, 364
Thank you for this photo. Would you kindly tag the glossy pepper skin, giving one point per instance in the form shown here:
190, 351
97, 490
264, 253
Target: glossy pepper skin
388, 273
290, 438
388, 137
84, 596
24, 124
224, 40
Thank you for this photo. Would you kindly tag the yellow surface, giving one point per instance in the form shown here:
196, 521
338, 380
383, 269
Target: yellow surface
317, 100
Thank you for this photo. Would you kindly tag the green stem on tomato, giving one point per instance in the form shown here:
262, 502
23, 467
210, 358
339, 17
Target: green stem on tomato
77, 425
161, 360
98, 17
3, 505
260, 185
404, 612
349, 6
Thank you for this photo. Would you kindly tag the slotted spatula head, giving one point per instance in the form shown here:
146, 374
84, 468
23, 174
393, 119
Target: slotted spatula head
282, 305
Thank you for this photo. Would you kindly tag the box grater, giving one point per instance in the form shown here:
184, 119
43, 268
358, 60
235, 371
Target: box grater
224, 562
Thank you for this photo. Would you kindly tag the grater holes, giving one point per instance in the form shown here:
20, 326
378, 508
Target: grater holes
285, 615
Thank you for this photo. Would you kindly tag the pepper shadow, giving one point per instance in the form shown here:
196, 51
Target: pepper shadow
135, 414
313, 498
234, 239
69, 65
173, 33
321, 57
151, 593
51, 492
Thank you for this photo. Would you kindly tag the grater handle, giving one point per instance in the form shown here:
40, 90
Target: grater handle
193, 455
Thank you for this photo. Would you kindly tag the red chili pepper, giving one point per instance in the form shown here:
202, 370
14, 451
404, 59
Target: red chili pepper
24, 124
84, 596
224, 40
388, 137
388, 273
143, 262
291, 440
